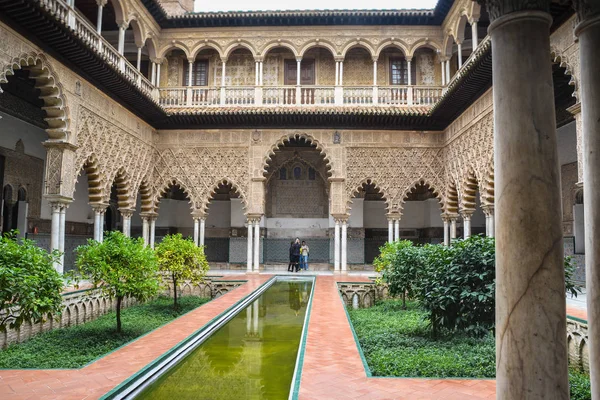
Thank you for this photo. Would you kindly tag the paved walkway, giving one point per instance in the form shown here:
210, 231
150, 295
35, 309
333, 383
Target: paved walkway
332, 367
93, 381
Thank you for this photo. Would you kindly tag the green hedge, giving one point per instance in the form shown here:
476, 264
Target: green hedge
397, 342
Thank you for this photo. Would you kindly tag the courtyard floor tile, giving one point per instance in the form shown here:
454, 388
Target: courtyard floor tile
332, 368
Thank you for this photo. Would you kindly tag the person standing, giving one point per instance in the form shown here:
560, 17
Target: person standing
296, 253
291, 264
304, 256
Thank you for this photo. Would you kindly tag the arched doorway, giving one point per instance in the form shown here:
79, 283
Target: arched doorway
297, 202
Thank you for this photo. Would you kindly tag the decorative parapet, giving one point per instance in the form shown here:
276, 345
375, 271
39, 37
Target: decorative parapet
86, 305
577, 343
362, 294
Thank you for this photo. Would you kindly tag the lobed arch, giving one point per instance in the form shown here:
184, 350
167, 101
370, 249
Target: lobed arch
451, 199
557, 57
393, 43
278, 43
122, 181
470, 187
286, 138
174, 45
145, 191
358, 44
413, 186
425, 43
162, 189
370, 181
323, 44
240, 44
51, 90
207, 44
95, 179
215, 186
487, 193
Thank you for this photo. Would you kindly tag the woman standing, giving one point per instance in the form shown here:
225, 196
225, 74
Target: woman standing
304, 256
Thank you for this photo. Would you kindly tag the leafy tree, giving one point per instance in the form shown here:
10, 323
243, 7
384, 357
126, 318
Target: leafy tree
121, 267
182, 259
30, 287
572, 288
399, 263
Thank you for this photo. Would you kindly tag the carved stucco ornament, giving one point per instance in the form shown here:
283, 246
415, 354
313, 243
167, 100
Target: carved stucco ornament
498, 8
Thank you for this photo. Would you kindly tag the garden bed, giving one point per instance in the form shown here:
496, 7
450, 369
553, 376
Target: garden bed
398, 343
76, 346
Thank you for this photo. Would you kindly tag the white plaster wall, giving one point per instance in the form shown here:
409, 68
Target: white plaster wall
219, 214
79, 210
237, 216
296, 227
567, 143
356, 219
175, 213
12, 129
374, 214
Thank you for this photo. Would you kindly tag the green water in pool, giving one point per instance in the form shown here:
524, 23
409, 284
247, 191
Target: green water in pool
252, 357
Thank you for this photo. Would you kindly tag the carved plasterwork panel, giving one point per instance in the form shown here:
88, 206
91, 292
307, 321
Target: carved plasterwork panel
564, 50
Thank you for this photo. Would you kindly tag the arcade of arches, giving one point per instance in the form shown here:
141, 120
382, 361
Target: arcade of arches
75, 163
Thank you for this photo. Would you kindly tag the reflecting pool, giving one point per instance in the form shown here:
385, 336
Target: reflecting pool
252, 357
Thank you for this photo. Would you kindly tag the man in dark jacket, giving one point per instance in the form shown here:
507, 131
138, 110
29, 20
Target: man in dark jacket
291, 264
296, 254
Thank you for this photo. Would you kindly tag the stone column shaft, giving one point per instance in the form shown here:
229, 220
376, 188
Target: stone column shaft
448, 77
256, 245
531, 351
121, 44
138, 63
196, 230
466, 225
443, 67
336, 247
202, 229
344, 266
158, 74
337, 73
390, 230
99, 19
474, 34
249, 247
446, 232
55, 232
341, 73
145, 230
397, 229
459, 55
409, 63
61, 235
152, 232
190, 72
452, 228
375, 73
589, 43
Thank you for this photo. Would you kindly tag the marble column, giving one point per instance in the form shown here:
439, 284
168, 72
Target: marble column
336, 246
344, 264
158, 64
342, 73
190, 73
443, 66
397, 229
466, 216
99, 210
249, 223
390, 230
55, 232
459, 55
531, 348
446, 231
153, 74
126, 214
152, 231
260, 75
409, 65
202, 229
145, 230
588, 31
337, 73
196, 230
121, 44
61, 234
138, 63
101, 4
474, 34
452, 228
256, 245
448, 77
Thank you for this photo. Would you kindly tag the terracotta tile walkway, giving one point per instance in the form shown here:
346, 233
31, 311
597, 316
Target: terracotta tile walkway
94, 380
333, 368
332, 365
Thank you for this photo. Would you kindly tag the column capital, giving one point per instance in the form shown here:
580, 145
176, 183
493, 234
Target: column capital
587, 11
488, 209
338, 58
258, 58
340, 218
101, 3
408, 58
473, 20
126, 212
298, 58
224, 60
59, 201
394, 216
500, 8
123, 25
149, 216
375, 58
198, 214
191, 60
99, 207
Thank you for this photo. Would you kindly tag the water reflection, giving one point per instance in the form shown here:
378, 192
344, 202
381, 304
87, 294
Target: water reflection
251, 357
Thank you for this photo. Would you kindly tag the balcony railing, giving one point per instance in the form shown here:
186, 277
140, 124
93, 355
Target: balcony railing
173, 97
66, 14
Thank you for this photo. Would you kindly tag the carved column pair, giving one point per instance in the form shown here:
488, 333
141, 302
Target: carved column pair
340, 243
253, 250
199, 228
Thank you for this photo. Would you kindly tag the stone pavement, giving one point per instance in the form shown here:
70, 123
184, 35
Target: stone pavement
332, 367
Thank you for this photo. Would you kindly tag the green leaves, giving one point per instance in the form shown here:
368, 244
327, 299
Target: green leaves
120, 266
30, 287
